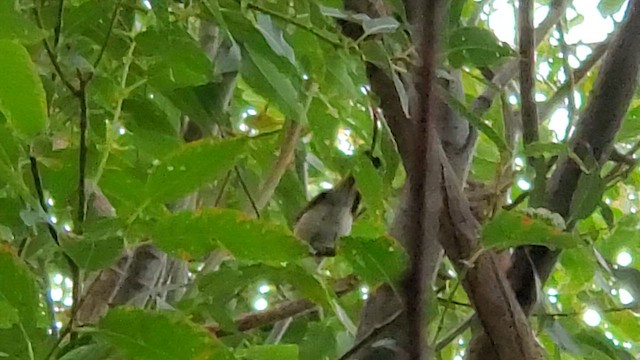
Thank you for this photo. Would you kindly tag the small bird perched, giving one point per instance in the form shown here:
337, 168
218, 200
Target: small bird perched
328, 216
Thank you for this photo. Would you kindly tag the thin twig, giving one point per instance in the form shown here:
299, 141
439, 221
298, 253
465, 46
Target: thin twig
223, 187
58, 29
459, 330
37, 183
52, 55
378, 329
290, 137
82, 160
461, 276
578, 75
128, 60
517, 201
114, 16
247, 192
568, 72
73, 267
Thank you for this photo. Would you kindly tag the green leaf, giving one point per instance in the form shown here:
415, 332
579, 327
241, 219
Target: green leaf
265, 70
630, 126
402, 94
609, 7
274, 38
547, 150
22, 315
625, 236
184, 234
268, 352
369, 184
580, 266
511, 228
141, 334
319, 343
22, 97
8, 315
192, 166
99, 246
223, 285
475, 46
375, 53
374, 260
16, 27
193, 235
177, 60
92, 351
380, 25
587, 196
263, 76
256, 240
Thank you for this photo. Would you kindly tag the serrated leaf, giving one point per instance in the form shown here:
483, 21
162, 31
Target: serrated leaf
246, 238
511, 228
223, 285
93, 253
184, 234
192, 166
255, 240
141, 334
22, 97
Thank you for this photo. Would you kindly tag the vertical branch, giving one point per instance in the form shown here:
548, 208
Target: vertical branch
422, 170
526, 37
527, 72
568, 72
82, 160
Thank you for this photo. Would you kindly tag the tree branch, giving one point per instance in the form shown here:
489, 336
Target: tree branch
422, 171
593, 138
503, 75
